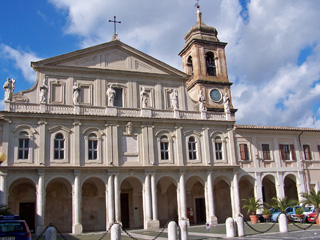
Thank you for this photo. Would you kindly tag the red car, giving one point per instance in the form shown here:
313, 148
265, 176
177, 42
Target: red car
312, 217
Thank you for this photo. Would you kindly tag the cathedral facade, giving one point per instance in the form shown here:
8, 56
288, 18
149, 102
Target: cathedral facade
109, 134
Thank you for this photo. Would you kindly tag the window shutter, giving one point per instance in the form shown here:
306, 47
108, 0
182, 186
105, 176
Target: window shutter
281, 152
293, 152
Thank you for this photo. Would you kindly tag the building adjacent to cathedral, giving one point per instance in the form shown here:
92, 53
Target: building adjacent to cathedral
109, 134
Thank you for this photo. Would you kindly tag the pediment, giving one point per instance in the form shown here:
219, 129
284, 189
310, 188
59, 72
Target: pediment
113, 55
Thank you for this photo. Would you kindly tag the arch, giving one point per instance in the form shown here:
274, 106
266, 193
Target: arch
58, 210
196, 205
210, 64
131, 203
268, 188
290, 187
93, 205
189, 65
246, 190
167, 200
22, 200
222, 199
96, 130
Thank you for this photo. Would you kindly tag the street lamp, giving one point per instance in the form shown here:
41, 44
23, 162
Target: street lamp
2, 157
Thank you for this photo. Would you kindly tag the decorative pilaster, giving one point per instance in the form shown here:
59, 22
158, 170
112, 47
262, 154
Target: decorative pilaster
280, 185
232, 154
76, 206
76, 139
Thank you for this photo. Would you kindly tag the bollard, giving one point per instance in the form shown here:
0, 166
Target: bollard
283, 223
184, 230
172, 231
115, 232
230, 227
51, 233
240, 226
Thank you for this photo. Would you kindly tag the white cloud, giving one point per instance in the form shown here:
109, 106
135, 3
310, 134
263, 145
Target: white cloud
22, 61
262, 52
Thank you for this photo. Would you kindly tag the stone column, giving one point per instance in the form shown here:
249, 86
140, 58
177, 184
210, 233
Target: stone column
3, 188
236, 196
76, 206
147, 198
40, 202
183, 198
231, 152
117, 206
110, 206
212, 218
154, 198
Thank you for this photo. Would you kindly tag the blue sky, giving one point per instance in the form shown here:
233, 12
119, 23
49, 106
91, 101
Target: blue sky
273, 51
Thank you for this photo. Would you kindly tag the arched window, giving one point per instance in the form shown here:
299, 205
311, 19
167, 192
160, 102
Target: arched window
211, 66
92, 147
164, 148
192, 148
23, 149
218, 148
59, 146
189, 65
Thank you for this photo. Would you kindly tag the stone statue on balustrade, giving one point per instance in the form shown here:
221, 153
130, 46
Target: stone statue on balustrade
43, 91
76, 93
111, 94
226, 103
144, 96
174, 99
8, 88
202, 101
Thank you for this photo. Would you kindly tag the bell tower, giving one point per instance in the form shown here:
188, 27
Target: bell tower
204, 60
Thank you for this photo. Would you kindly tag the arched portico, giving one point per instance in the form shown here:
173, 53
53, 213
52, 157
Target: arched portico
93, 205
58, 209
222, 200
131, 203
22, 200
268, 188
196, 206
246, 190
290, 187
167, 200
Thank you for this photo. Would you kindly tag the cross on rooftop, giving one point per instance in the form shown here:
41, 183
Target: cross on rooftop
197, 4
115, 22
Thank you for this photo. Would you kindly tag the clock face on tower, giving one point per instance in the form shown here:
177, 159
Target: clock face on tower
215, 95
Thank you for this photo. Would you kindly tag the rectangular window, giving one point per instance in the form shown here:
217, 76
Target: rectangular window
58, 149
192, 149
244, 151
23, 151
319, 150
118, 98
218, 146
287, 152
164, 150
93, 149
307, 152
266, 152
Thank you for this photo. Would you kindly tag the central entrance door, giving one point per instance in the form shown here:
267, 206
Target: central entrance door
27, 213
200, 210
125, 209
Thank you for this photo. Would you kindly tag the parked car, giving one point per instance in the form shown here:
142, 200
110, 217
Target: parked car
276, 213
12, 228
307, 212
312, 217
292, 214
